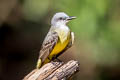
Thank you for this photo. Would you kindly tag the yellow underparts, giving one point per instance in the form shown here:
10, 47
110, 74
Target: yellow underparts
60, 46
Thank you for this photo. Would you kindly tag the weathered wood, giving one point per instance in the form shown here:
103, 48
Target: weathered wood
64, 71
54, 71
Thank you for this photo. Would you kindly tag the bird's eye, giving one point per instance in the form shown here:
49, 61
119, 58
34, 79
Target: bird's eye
60, 18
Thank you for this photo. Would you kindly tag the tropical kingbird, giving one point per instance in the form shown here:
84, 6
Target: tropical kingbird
58, 39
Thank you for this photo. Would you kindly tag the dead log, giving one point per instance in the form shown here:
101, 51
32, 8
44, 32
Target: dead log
54, 71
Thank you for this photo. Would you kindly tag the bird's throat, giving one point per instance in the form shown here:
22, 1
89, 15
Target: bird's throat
63, 34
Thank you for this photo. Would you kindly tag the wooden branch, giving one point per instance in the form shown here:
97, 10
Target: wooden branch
54, 71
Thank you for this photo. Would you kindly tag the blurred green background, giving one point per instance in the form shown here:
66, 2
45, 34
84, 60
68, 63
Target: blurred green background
24, 24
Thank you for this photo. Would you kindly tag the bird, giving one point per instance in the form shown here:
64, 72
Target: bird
59, 38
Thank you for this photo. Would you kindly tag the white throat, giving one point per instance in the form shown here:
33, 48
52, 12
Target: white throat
62, 30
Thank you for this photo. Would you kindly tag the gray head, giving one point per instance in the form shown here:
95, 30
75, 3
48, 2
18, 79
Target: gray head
61, 18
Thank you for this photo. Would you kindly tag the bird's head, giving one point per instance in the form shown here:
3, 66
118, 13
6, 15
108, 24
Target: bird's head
61, 19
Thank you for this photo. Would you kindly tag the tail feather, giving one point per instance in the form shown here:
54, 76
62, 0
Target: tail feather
39, 63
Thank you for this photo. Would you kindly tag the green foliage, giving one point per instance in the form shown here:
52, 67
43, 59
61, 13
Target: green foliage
35, 9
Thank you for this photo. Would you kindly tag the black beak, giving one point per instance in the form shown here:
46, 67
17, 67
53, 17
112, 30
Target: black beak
71, 17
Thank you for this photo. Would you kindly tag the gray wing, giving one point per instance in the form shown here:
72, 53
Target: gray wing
48, 45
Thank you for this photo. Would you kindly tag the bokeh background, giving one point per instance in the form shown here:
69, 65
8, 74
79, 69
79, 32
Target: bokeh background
24, 24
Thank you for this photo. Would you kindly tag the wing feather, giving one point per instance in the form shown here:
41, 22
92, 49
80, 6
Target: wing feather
48, 45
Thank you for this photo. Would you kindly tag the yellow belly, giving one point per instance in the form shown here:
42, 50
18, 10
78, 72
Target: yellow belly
57, 49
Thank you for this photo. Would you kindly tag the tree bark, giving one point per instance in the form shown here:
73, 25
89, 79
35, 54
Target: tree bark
54, 71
